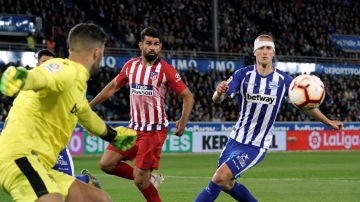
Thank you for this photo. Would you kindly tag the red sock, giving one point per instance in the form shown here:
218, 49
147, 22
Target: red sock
123, 170
151, 194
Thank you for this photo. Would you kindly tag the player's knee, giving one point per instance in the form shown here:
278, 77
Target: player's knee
105, 166
218, 179
222, 179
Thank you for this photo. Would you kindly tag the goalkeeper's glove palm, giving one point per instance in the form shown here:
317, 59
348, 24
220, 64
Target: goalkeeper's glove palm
13, 80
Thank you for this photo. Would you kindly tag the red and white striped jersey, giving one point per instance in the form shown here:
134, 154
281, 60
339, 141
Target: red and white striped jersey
148, 87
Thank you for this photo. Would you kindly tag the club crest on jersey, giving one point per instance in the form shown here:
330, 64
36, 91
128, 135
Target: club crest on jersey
154, 75
53, 67
273, 85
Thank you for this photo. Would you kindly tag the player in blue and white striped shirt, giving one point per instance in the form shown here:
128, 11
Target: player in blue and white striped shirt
260, 90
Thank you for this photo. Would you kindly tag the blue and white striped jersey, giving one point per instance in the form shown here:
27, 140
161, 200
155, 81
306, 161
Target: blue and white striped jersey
259, 100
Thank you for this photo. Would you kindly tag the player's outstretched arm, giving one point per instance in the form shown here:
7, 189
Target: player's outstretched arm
105, 93
318, 115
121, 138
15, 79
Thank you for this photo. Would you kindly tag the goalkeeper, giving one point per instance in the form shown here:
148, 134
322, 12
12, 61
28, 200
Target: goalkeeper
40, 124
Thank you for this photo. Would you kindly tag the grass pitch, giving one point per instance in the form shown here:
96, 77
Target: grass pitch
280, 177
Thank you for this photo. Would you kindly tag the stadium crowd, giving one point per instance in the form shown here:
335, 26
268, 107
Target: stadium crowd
300, 28
341, 101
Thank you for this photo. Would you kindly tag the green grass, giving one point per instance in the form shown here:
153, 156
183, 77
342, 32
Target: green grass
281, 177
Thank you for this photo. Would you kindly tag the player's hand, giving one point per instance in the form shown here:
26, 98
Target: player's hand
222, 87
179, 128
336, 125
13, 80
124, 139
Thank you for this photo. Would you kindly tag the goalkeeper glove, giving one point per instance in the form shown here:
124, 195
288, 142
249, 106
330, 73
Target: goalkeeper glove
120, 137
13, 80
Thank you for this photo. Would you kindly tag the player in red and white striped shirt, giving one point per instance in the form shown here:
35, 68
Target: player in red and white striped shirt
149, 78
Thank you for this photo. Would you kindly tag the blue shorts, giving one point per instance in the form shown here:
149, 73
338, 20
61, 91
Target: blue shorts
240, 157
65, 163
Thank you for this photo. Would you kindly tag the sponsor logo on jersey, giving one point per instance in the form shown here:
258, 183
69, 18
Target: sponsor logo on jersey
74, 110
53, 67
260, 98
178, 77
61, 161
140, 89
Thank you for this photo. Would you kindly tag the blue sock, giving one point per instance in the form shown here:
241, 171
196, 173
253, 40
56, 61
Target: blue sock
83, 178
210, 193
241, 193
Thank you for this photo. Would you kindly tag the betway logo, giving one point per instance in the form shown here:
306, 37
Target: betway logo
259, 98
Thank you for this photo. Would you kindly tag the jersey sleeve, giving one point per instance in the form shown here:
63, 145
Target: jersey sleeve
123, 77
88, 119
59, 74
288, 80
234, 82
174, 80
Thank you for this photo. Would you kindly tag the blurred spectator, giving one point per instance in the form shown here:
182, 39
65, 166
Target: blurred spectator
301, 28
50, 44
30, 41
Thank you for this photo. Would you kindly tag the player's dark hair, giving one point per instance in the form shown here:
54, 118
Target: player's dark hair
83, 36
44, 52
149, 31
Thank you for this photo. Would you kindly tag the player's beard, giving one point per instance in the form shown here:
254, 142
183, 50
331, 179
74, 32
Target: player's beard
94, 70
151, 57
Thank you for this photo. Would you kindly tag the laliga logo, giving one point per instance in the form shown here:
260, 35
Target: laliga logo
314, 140
337, 140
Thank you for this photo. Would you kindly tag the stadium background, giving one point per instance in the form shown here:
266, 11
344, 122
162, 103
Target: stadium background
206, 41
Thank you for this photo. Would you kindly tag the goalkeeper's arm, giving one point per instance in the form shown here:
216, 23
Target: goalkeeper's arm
16, 79
120, 137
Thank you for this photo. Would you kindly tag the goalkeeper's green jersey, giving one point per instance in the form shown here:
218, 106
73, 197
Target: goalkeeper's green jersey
41, 122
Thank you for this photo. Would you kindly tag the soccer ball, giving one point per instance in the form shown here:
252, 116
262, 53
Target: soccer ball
306, 92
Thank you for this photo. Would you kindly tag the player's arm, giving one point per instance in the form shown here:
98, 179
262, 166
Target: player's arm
105, 93
35, 81
188, 103
120, 137
220, 92
318, 115
16, 79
